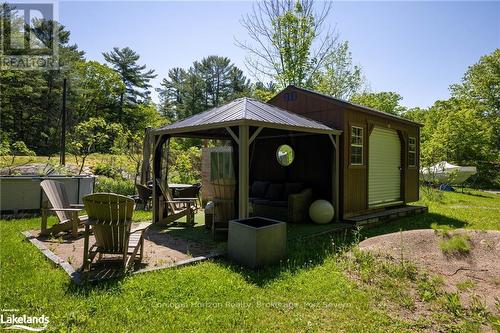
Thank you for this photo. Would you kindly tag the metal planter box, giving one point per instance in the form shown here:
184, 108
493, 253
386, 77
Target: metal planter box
256, 241
22, 194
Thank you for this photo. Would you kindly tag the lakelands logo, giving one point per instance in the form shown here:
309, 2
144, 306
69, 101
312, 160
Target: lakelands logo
24, 322
29, 35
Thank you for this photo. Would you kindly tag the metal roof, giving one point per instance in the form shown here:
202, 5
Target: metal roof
246, 111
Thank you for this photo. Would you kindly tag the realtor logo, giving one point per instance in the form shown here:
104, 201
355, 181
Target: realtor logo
23, 322
29, 35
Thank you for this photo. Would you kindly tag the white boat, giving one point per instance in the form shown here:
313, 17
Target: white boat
447, 173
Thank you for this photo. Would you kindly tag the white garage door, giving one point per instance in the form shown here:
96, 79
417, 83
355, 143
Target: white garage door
384, 162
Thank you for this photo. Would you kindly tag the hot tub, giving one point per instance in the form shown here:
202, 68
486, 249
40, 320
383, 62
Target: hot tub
23, 194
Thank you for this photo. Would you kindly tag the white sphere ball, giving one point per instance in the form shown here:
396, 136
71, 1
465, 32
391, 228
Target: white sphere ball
321, 211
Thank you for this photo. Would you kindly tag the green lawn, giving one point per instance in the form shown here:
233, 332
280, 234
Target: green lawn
318, 288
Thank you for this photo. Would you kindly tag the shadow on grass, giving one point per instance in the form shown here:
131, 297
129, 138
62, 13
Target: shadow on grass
303, 253
475, 194
423, 221
195, 233
308, 253
113, 285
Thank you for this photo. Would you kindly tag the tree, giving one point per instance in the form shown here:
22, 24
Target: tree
88, 137
481, 83
135, 77
264, 92
184, 164
193, 94
339, 77
11, 151
95, 92
294, 32
290, 46
459, 136
383, 101
208, 83
137, 118
31, 100
222, 80
170, 93
481, 86
288, 41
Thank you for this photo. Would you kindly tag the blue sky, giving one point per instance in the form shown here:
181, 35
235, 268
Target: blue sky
414, 48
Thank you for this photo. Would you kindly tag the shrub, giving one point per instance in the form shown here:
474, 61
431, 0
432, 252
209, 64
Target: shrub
184, 164
465, 285
429, 288
118, 186
455, 244
451, 301
103, 169
431, 194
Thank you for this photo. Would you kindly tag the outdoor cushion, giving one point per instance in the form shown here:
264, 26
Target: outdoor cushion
274, 192
292, 188
259, 189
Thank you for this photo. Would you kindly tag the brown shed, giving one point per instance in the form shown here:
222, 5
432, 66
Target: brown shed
379, 152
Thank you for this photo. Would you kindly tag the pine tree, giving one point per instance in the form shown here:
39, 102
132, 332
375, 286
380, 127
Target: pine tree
135, 77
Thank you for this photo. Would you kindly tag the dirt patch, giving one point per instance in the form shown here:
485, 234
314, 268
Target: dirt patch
474, 273
160, 248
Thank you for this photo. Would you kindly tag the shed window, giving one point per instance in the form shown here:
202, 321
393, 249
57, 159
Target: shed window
291, 96
356, 145
412, 152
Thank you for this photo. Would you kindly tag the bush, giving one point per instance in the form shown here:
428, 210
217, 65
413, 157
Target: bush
107, 170
118, 186
431, 194
456, 244
184, 164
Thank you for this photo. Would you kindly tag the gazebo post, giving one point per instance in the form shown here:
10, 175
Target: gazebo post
336, 175
156, 168
243, 172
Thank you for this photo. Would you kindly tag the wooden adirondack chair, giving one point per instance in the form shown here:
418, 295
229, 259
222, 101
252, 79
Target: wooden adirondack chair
66, 212
177, 208
144, 194
110, 219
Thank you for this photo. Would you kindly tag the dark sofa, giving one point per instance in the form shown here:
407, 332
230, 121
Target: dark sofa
281, 201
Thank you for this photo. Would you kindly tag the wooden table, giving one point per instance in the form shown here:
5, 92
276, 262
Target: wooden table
179, 186
176, 187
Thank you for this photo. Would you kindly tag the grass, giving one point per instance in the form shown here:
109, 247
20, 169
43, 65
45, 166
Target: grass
469, 210
318, 288
465, 285
457, 244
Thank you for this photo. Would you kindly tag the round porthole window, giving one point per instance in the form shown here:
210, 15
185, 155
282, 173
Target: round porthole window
285, 155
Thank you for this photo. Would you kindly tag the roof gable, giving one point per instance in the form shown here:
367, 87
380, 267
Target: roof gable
347, 104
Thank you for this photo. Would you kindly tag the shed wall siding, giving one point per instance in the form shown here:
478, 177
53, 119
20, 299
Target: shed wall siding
353, 185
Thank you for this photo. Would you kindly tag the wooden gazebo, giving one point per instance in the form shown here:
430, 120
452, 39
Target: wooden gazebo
242, 122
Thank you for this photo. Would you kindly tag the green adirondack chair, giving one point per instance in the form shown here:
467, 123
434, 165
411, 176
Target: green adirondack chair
66, 212
110, 220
